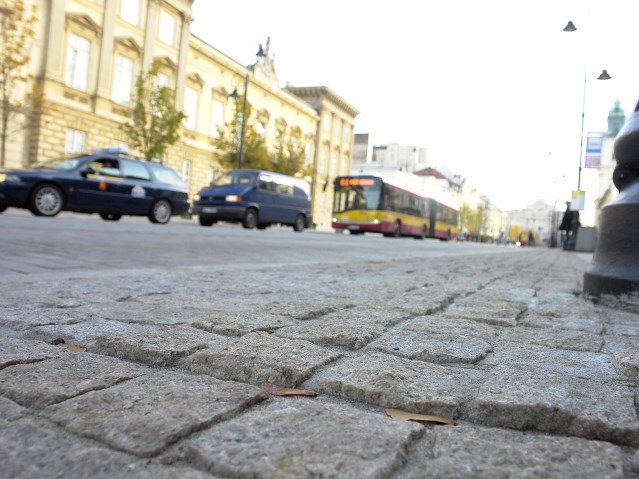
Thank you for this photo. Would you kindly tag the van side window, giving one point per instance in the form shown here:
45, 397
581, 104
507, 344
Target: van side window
284, 189
265, 183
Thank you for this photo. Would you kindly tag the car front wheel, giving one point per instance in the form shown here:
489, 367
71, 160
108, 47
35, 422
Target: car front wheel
161, 212
3, 207
110, 216
300, 223
46, 200
250, 219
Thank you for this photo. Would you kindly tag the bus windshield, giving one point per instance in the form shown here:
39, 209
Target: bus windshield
356, 193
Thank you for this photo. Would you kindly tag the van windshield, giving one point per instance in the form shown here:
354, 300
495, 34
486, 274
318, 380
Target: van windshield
236, 178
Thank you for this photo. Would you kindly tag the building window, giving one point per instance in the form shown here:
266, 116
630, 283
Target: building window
76, 141
190, 108
261, 129
130, 11
78, 54
122, 80
333, 171
217, 118
166, 32
347, 134
322, 163
326, 123
336, 129
162, 81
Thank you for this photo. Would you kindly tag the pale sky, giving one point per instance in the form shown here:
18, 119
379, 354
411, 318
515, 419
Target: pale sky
493, 88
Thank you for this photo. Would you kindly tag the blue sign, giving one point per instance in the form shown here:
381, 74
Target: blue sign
594, 145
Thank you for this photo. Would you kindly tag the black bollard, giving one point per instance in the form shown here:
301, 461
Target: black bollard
615, 265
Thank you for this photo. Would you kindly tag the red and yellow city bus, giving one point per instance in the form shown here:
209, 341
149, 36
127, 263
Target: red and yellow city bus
369, 203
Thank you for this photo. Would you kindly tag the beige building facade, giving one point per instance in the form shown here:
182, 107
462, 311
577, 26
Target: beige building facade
88, 54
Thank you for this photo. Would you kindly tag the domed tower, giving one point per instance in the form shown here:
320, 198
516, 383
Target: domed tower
616, 119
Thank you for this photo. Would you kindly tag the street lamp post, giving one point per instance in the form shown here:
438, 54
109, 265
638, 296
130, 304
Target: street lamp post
260, 54
571, 243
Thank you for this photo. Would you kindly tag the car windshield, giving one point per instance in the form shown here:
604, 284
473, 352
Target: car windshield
236, 178
61, 164
165, 175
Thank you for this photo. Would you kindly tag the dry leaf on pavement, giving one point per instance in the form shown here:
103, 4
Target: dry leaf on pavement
421, 418
72, 348
282, 391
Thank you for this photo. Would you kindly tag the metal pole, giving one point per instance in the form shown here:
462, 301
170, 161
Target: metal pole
581, 144
242, 131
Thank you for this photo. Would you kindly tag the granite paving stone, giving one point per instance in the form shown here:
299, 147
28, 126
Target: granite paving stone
438, 339
238, 323
32, 448
148, 413
304, 438
350, 328
21, 318
263, 358
82, 334
558, 403
589, 325
19, 351
625, 354
477, 452
553, 338
500, 313
54, 380
391, 381
156, 346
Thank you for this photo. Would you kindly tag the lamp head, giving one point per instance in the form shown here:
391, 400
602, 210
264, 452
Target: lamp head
570, 27
235, 95
604, 76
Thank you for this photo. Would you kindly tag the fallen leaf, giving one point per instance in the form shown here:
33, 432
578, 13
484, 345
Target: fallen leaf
73, 348
282, 391
421, 418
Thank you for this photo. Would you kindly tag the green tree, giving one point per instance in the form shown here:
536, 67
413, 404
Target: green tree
155, 122
289, 156
227, 144
17, 102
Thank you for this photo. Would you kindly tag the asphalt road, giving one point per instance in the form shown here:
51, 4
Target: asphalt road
72, 243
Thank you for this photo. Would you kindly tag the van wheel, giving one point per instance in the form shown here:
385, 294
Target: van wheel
250, 219
204, 221
300, 223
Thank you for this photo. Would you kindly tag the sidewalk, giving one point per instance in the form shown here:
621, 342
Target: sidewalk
169, 376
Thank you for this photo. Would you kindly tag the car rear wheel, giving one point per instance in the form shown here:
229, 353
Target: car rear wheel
250, 219
161, 212
300, 223
204, 221
110, 216
46, 200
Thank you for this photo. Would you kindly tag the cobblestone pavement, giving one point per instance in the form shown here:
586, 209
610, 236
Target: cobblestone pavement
162, 374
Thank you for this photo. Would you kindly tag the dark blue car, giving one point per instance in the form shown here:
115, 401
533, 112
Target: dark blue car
109, 184
256, 198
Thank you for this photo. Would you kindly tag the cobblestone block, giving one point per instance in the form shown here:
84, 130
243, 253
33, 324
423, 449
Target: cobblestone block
238, 323
546, 361
304, 438
350, 328
19, 351
55, 380
390, 381
142, 313
625, 354
500, 313
33, 448
262, 358
84, 333
438, 339
559, 403
21, 318
461, 451
623, 324
149, 413
156, 346
589, 325
553, 338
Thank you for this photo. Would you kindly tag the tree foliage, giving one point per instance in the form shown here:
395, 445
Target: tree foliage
17, 101
472, 219
227, 144
155, 122
289, 155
